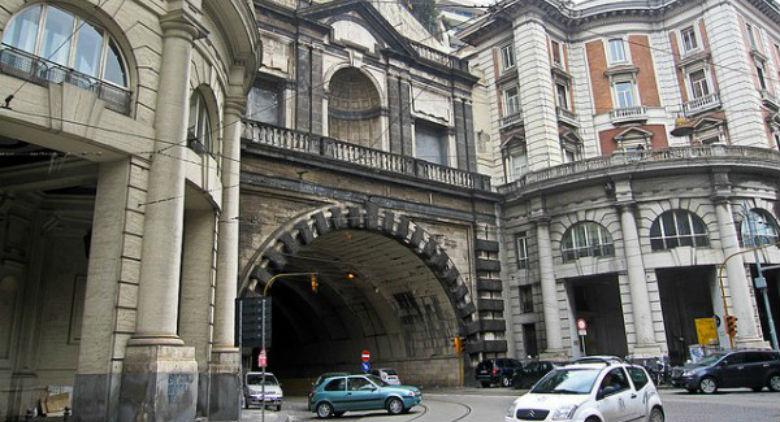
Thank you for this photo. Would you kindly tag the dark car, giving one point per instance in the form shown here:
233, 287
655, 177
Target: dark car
497, 371
531, 372
750, 369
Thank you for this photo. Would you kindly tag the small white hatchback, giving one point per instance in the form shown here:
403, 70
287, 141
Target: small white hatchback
598, 389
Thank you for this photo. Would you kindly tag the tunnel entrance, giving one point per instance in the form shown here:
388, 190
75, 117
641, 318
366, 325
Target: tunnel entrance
375, 293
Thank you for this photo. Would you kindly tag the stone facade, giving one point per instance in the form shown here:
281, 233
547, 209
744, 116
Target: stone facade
113, 197
577, 128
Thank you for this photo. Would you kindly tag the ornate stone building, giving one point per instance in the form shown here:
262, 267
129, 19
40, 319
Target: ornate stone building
119, 151
607, 213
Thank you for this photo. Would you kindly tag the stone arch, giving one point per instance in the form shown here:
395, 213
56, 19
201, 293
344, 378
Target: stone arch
328, 77
355, 107
270, 257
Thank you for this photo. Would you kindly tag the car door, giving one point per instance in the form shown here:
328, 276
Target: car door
614, 395
638, 401
361, 394
335, 392
756, 368
731, 371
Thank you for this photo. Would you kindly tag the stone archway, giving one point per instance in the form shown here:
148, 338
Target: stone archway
408, 299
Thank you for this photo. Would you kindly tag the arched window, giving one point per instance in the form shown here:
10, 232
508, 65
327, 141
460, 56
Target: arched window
586, 239
199, 134
678, 228
759, 228
56, 36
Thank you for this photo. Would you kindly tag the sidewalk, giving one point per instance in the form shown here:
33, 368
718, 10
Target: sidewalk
255, 415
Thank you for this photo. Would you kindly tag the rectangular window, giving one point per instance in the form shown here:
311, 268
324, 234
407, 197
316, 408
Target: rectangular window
777, 139
265, 103
760, 75
562, 94
511, 101
617, 51
689, 41
521, 248
699, 85
557, 55
529, 340
430, 142
526, 299
624, 94
751, 36
567, 155
518, 162
507, 57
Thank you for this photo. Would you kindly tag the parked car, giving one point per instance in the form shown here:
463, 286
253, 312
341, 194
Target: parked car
497, 371
658, 367
340, 394
253, 390
387, 375
599, 389
754, 369
531, 372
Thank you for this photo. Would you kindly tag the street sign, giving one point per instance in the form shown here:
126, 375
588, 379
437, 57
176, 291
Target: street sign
582, 332
706, 331
262, 359
250, 320
365, 366
365, 356
717, 320
582, 324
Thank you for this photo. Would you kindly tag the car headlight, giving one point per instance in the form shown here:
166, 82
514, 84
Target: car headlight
410, 393
564, 412
510, 411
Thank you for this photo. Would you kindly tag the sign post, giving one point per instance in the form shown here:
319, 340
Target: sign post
365, 357
582, 331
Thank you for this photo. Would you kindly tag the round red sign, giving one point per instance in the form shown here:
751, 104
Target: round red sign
262, 359
365, 356
581, 324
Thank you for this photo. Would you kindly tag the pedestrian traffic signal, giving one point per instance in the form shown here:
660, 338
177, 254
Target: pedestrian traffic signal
731, 325
457, 344
314, 283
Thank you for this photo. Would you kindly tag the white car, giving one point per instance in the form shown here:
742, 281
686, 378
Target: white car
388, 375
591, 390
253, 390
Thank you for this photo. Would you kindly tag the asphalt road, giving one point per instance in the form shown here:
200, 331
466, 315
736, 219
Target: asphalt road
487, 405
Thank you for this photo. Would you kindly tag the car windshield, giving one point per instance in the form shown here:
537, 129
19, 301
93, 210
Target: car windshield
376, 380
709, 360
257, 379
390, 371
567, 381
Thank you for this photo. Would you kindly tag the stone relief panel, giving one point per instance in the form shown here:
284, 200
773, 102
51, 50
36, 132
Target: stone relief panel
352, 33
432, 106
276, 54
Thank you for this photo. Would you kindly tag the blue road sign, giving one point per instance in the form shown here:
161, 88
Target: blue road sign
366, 366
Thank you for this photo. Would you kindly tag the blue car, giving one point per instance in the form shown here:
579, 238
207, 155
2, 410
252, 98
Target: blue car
340, 394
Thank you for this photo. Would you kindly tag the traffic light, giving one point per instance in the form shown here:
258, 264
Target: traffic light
314, 284
731, 325
457, 344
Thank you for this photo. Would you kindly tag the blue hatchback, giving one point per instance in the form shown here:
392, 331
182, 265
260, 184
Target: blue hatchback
339, 394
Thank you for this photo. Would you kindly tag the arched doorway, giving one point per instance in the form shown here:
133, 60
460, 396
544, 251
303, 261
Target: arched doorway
354, 109
384, 285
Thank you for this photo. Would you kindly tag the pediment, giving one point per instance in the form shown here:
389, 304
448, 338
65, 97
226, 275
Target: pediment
707, 122
357, 22
633, 133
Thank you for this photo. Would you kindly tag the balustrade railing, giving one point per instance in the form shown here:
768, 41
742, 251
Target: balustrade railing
639, 157
701, 104
628, 114
292, 140
439, 57
566, 115
40, 71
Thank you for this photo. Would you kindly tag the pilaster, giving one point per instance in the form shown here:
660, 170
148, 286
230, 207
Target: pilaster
552, 317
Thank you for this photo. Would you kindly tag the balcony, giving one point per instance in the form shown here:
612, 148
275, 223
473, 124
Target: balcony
368, 158
681, 159
628, 114
701, 104
439, 57
513, 119
566, 116
42, 72
770, 100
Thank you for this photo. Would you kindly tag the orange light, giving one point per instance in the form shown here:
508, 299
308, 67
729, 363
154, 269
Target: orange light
350, 276
314, 284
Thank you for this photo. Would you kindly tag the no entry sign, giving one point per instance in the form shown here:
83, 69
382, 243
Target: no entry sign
365, 356
582, 327
262, 359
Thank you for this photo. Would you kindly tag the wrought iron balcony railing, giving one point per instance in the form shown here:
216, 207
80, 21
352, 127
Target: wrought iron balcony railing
628, 114
40, 71
383, 161
701, 104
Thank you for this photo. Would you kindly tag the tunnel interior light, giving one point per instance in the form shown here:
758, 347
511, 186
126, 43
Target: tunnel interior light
350, 276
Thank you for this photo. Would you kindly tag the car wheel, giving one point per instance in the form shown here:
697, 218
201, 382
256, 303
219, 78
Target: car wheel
394, 406
774, 383
506, 382
708, 385
485, 384
593, 419
324, 410
656, 415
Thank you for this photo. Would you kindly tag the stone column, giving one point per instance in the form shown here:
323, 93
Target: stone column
741, 306
552, 318
225, 367
160, 374
646, 344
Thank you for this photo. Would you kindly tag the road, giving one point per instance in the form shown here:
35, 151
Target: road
481, 405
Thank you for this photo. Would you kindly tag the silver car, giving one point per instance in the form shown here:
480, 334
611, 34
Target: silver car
253, 390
